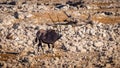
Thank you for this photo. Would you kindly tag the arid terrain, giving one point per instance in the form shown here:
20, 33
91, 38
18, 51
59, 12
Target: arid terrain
90, 33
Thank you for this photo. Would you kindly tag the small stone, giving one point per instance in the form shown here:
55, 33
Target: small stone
21, 15
59, 6
29, 42
17, 38
8, 20
108, 66
72, 48
92, 7
9, 36
83, 50
28, 15
0, 46
12, 3
24, 59
1, 64
98, 44
110, 39
15, 44
63, 47
16, 15
1, 20
15, 25
37, 28
108, 13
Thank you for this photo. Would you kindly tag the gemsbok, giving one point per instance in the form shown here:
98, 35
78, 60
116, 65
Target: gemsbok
49, 36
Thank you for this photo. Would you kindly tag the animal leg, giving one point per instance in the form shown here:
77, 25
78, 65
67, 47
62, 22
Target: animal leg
40, 45
36, 39
49, 46
52, 48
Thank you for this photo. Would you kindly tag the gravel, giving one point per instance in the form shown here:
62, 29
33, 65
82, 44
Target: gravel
82, 45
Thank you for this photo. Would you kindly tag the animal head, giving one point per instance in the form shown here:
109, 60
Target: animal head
58, 36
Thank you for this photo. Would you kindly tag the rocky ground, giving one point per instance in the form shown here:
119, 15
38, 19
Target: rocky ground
90, 33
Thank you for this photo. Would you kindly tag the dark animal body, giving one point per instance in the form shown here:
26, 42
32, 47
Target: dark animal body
47, 36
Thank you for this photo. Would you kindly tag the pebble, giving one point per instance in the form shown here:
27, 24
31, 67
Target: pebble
98, 44
20, 15
15, 25
73, 48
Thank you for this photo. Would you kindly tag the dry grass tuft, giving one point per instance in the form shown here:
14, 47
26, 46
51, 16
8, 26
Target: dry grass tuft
84, 16
49, 56
49, 17
5, 57
105, 3
106, 19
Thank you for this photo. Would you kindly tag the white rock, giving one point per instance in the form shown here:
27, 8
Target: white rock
73, 48
29, 42
92, 31
17, 38
28, 15
66, 7
83, 50
98, 44
42, 7
8, 20
21, 16
79, 47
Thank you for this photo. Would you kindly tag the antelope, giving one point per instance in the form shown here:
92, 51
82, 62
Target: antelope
49, 36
